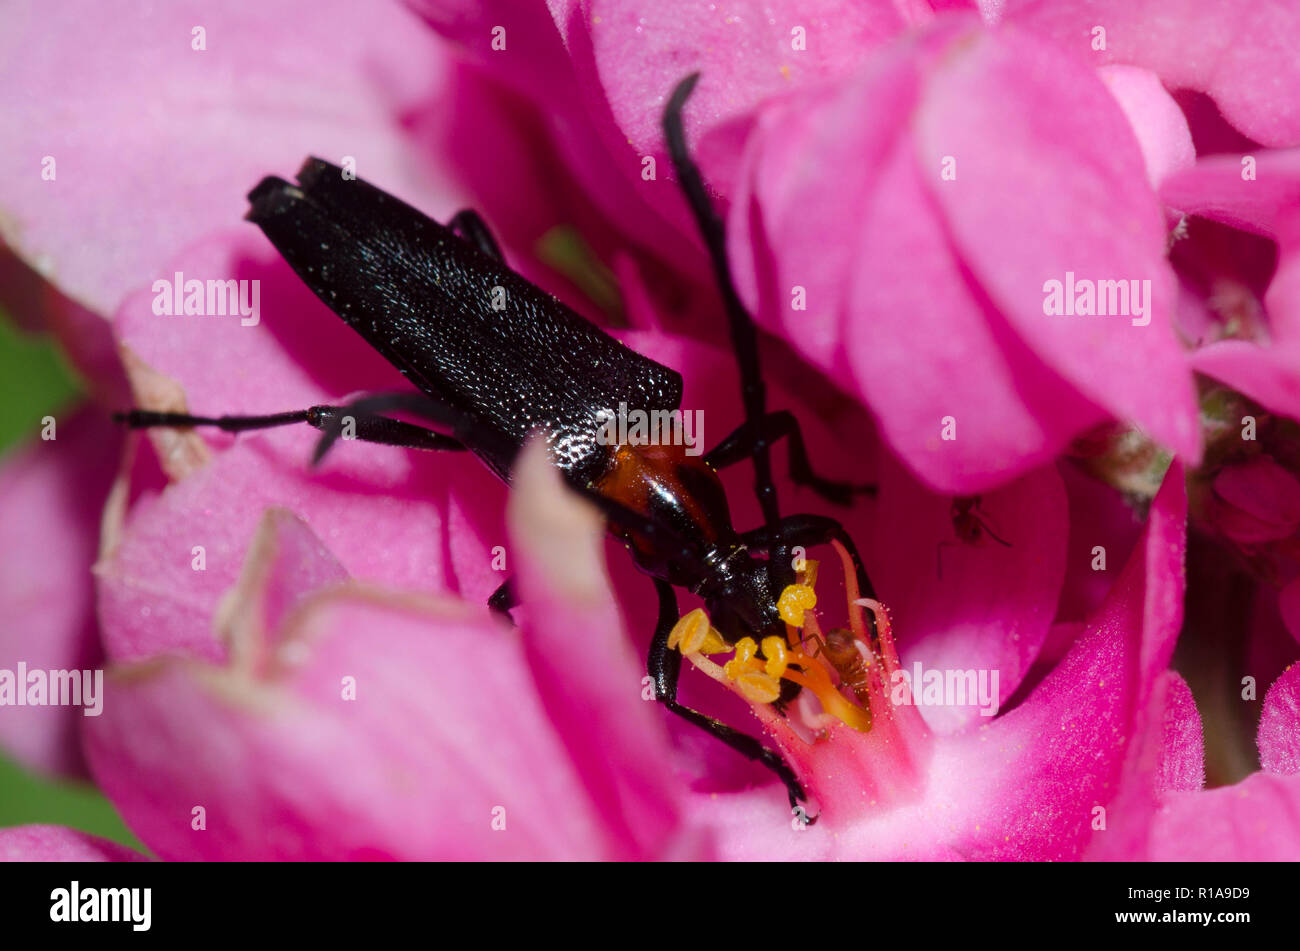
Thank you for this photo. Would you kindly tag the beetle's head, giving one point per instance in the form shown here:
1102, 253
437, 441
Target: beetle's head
741, 596
776, 639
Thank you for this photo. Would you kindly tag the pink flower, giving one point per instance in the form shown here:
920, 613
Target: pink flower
348, 721
519, 745
1026, 784
1255, 193
908, 262
300, 662
51, 497
996, 168
1251, 820
56, 844
1244, 317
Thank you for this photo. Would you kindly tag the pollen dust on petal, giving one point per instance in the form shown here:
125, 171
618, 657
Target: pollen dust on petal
180, 451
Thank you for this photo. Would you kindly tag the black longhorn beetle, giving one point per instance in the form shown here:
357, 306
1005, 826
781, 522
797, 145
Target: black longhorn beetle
418, 292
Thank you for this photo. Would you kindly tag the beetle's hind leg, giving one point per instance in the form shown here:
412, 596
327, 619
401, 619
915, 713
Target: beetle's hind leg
664, 667
782, 424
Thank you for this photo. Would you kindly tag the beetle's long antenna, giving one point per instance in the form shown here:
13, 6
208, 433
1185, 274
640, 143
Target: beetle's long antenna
744, 335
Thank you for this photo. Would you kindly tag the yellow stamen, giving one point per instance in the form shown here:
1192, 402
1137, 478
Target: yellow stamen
814, 678
814, 674
745, 651
758, 687
794, 601
775, 652
754, 684
758, 680
809, 574
693, 633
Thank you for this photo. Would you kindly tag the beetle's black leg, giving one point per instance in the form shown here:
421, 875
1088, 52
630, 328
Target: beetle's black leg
371, 408
664, 667
744, 336
149, 419
809, 530
373, 428
503, 599
783, 424
368, 427
470, 225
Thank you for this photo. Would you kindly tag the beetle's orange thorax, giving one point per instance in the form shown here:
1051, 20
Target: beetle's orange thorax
666, 484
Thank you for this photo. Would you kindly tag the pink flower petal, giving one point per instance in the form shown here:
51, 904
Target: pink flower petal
745, 54
290, 750
1075, 724
153, 598
914, 307
1245, 63
778, 225
286, 565
51, 497
1182, 763
1125, 820
1025, 786
1279, 726
547, 71
1062, 191
1099, 517
1160, 126
145, 167
1218, 187
960, 604
1268, 204
907, 305
1270, 377
944, 308
286, 769
299, 353
1060, 754
1252, 821
595, 694
1257, 501
41, 843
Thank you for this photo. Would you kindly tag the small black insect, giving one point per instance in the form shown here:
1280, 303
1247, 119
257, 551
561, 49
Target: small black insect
970, 524
421, 294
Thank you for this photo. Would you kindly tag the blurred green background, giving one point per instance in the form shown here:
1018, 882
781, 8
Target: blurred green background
34, 381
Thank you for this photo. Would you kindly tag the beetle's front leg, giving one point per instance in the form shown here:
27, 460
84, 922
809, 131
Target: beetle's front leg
806, 531
746, 439
664, 667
